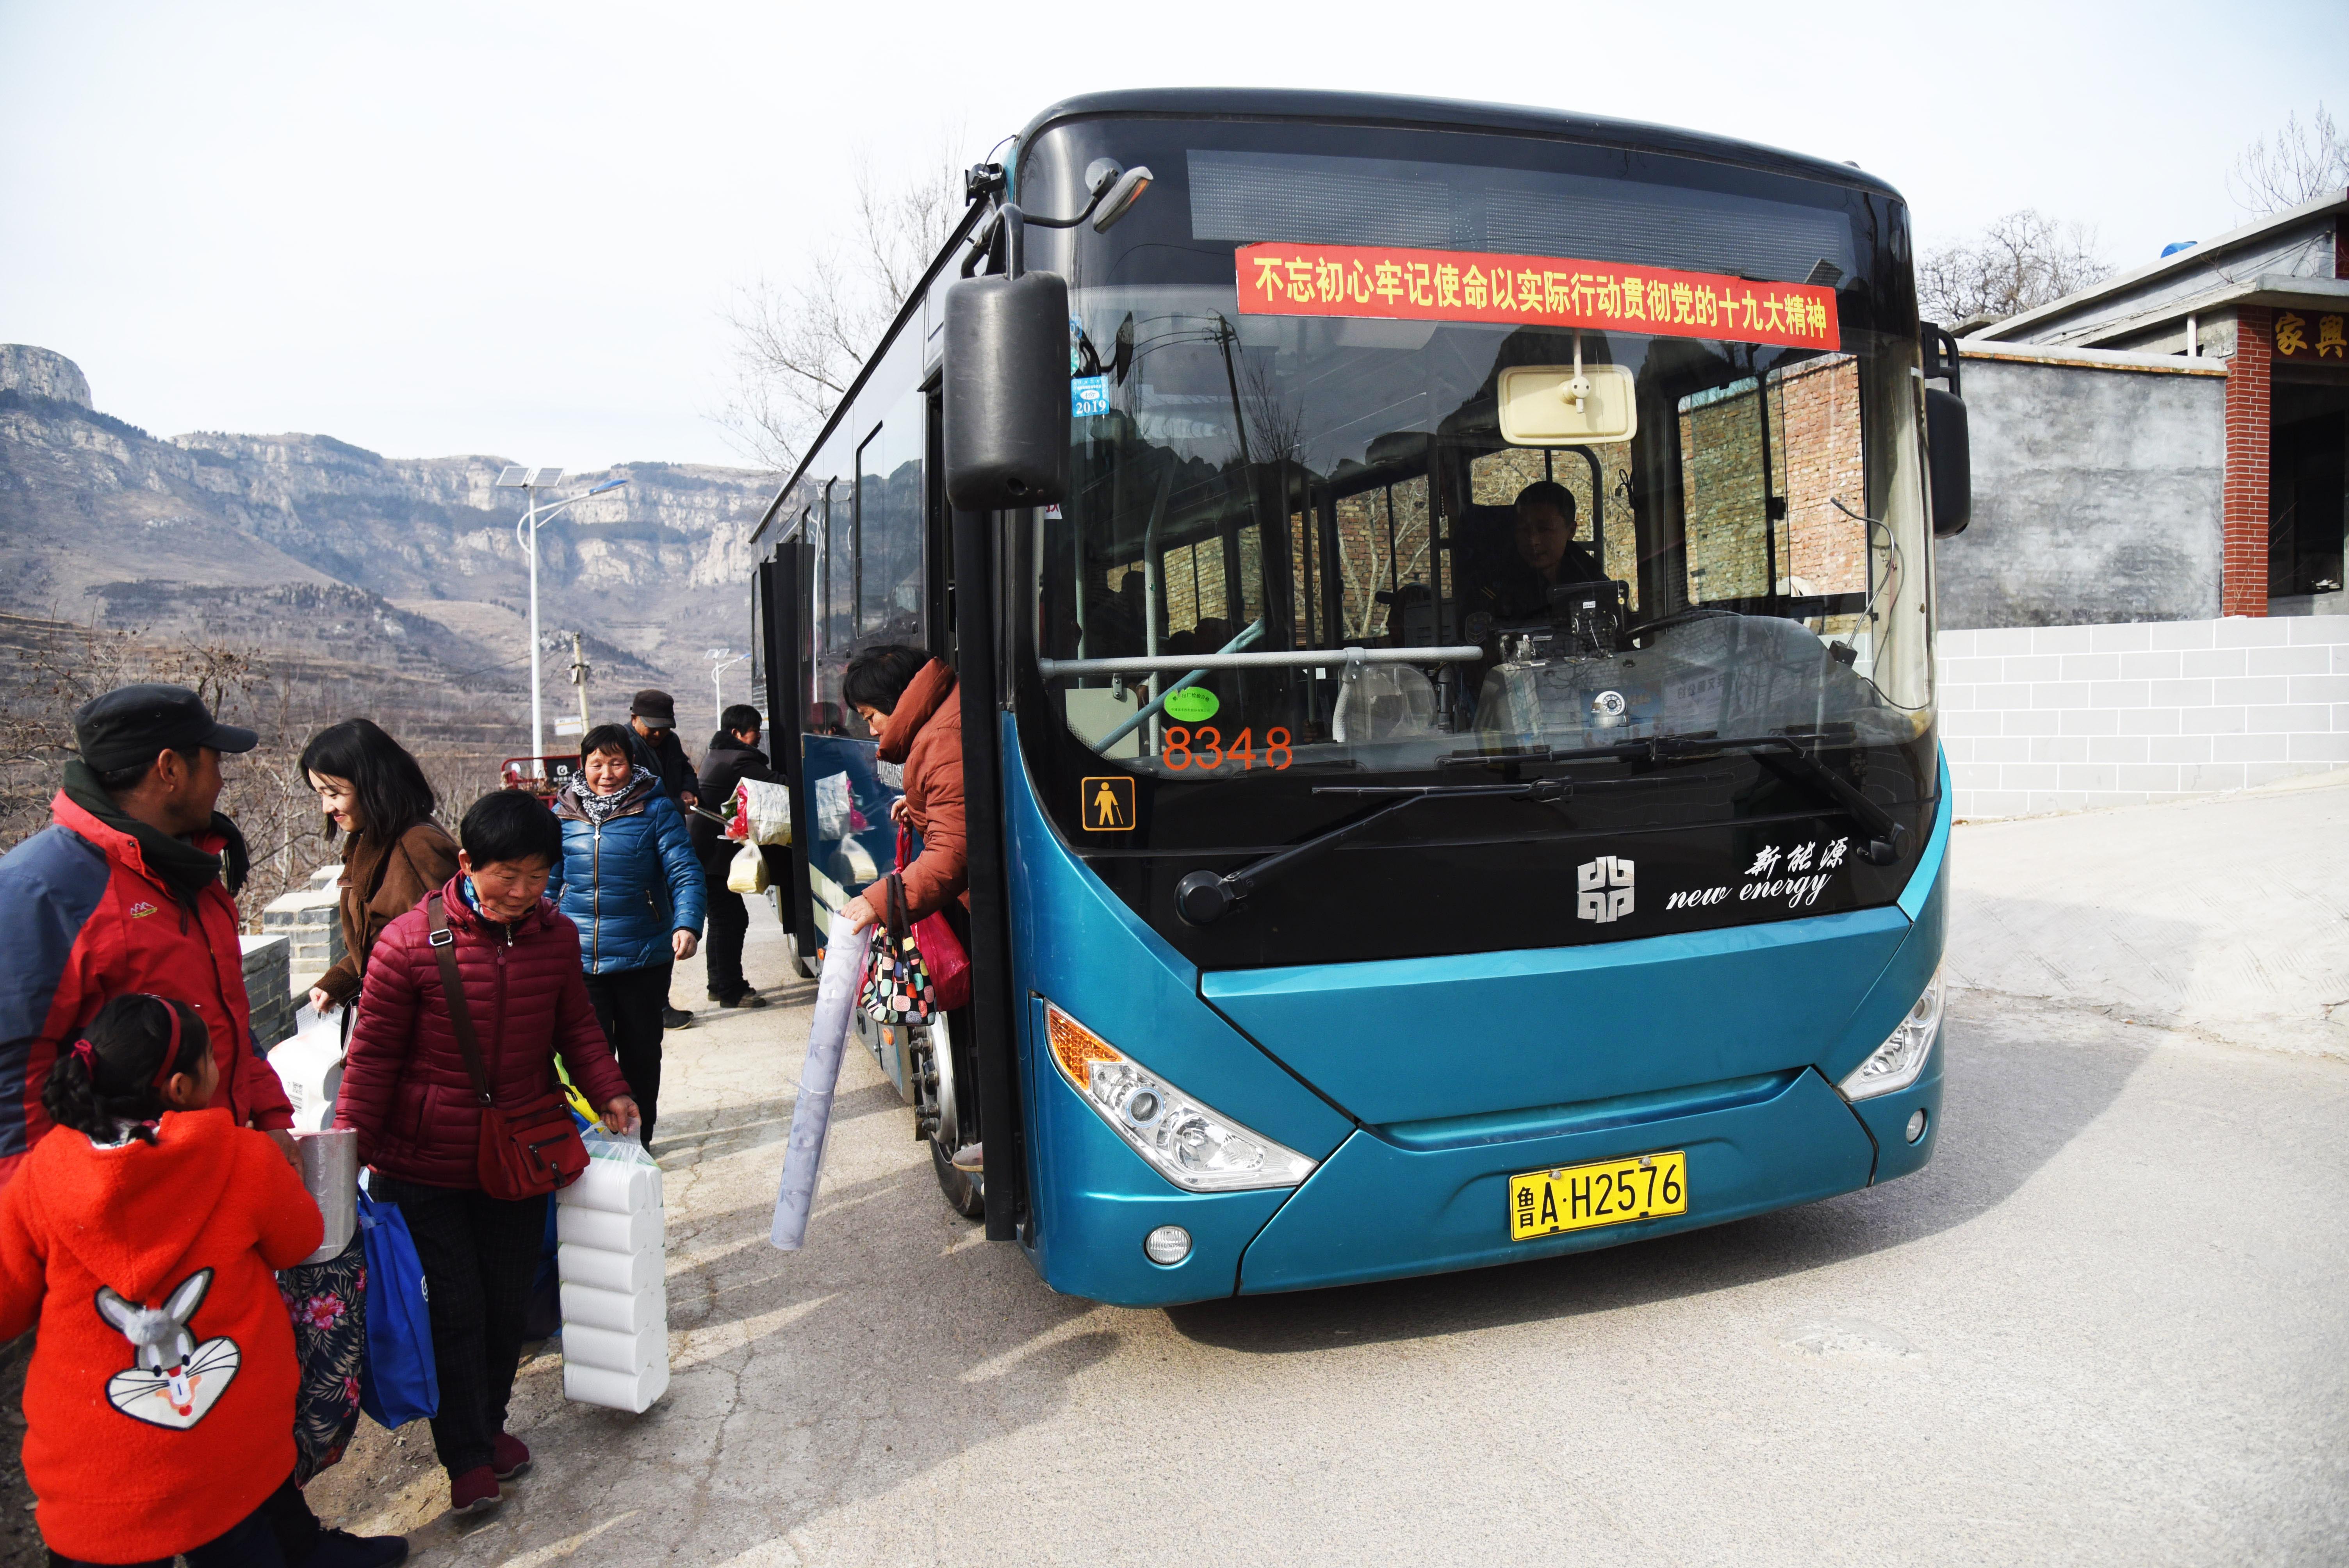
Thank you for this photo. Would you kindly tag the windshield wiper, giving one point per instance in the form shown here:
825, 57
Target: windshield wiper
1204, 897
1781, 753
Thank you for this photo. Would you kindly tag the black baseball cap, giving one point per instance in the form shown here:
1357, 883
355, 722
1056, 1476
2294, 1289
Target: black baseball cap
130, 724
656, 708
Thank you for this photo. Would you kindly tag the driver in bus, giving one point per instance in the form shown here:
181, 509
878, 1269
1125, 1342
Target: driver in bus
1546, 558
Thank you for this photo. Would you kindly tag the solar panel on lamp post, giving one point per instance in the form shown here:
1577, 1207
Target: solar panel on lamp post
721, 661
531, 481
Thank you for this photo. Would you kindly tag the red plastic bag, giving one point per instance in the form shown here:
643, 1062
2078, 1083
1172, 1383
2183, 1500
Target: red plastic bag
942, 953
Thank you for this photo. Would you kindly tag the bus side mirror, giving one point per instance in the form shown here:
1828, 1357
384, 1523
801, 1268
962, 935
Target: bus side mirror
1949, 453
1006, 391
1951, 462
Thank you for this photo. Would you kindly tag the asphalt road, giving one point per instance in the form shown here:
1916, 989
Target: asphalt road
2106, 1325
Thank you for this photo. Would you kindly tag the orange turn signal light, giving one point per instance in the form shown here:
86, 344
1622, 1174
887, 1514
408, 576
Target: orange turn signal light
1076, 1047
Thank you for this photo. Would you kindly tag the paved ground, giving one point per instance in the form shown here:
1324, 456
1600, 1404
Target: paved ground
2106, 1325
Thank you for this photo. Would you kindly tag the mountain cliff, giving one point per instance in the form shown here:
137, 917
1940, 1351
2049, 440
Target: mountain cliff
408, 558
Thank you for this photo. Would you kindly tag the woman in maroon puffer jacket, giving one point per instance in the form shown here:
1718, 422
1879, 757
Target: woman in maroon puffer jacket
407, 1091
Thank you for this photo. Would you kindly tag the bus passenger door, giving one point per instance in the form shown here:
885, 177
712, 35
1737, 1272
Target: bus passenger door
937, 535
783, 583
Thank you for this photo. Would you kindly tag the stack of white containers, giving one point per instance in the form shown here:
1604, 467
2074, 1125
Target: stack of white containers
614, 1289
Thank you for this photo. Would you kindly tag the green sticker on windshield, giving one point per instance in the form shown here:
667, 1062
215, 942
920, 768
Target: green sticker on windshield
1192, 705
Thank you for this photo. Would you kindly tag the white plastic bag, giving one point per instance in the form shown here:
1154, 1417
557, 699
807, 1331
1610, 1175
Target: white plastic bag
765, 811
748, 874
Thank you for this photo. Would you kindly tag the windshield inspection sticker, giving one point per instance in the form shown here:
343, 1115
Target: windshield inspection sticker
1088, 394
1193, 705
1391, 282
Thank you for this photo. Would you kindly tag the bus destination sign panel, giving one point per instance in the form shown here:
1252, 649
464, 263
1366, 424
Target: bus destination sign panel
1392, 282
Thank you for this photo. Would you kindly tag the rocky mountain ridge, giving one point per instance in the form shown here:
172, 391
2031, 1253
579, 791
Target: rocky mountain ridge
96, 517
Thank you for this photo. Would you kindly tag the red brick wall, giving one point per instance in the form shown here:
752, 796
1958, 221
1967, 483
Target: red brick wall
2244, 508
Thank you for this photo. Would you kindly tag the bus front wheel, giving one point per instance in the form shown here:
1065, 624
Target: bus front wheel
965, 1191
944, 1119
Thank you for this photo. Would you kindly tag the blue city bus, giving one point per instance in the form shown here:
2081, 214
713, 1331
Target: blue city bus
1443, 595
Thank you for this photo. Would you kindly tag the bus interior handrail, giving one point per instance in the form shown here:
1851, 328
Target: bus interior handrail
1149, 664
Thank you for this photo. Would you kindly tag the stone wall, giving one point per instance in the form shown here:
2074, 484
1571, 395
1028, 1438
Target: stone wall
2096, 491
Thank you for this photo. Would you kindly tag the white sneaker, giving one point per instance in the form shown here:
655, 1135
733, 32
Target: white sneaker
970, 1157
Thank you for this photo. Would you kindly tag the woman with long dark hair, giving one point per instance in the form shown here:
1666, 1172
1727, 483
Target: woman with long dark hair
394, 852
377, 798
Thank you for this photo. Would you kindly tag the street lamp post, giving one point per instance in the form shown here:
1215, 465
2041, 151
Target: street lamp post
721, 661
531, 481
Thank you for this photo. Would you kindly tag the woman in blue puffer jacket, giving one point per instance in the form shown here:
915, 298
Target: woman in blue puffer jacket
631, 883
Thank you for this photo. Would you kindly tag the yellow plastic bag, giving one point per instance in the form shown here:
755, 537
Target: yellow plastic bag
748, 874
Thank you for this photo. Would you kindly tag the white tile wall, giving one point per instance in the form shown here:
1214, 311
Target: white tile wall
2060, 718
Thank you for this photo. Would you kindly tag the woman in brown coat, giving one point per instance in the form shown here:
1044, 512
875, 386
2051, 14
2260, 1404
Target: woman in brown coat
909, 700
394, 851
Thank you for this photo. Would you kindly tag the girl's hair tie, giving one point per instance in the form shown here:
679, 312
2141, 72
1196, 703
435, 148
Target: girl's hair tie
86, 1054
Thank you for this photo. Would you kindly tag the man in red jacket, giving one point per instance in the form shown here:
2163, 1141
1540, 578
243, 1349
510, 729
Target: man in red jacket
132, 889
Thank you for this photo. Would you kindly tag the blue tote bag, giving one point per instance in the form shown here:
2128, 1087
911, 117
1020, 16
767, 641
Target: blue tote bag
397, 1382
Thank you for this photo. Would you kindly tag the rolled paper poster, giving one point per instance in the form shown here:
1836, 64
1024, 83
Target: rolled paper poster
835, 995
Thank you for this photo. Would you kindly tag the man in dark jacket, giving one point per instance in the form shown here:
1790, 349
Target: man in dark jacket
652, 722
132, 889
733, 756
652, 731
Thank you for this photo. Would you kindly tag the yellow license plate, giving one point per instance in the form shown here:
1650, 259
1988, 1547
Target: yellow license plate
1610, 1192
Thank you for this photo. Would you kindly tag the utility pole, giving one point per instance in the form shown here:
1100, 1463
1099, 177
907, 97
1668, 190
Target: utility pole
530, 481
580, 671
721, 661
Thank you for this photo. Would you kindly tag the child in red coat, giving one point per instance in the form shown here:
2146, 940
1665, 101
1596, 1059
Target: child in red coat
142, 1234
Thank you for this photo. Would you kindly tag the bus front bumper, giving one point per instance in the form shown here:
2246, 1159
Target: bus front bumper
1399, 1201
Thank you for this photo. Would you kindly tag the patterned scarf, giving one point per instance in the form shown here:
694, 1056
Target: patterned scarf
601, 808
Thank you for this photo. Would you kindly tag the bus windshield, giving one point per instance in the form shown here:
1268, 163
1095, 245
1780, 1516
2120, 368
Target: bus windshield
1404, 456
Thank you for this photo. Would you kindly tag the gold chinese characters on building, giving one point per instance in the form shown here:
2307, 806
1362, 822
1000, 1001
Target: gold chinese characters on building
1394, 283
2299, 336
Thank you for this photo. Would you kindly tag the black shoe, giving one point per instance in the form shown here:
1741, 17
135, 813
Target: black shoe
341, 1549
747, 999
676, 1019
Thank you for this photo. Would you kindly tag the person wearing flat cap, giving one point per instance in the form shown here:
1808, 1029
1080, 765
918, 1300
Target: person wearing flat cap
652, 724
131, 889
661, 755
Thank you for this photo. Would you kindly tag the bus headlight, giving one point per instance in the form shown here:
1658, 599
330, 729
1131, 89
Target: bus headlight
1195, 1146
1895, 1064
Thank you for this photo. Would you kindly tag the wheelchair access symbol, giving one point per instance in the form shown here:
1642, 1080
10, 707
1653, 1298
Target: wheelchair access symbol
1107, 803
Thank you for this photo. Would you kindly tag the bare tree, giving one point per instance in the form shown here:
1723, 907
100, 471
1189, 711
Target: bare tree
2302, 163
2019, 263
797, 345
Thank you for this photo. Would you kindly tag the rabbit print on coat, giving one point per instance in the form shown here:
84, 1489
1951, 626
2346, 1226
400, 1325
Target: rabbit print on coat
172, 1382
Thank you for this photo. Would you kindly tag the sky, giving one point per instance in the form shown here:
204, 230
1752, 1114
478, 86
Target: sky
516, 229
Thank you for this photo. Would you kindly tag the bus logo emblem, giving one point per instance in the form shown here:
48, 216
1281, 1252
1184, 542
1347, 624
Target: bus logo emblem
1605, 885
1107, 804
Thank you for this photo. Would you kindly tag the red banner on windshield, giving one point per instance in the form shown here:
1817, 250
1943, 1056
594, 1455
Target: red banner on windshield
1388, 282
